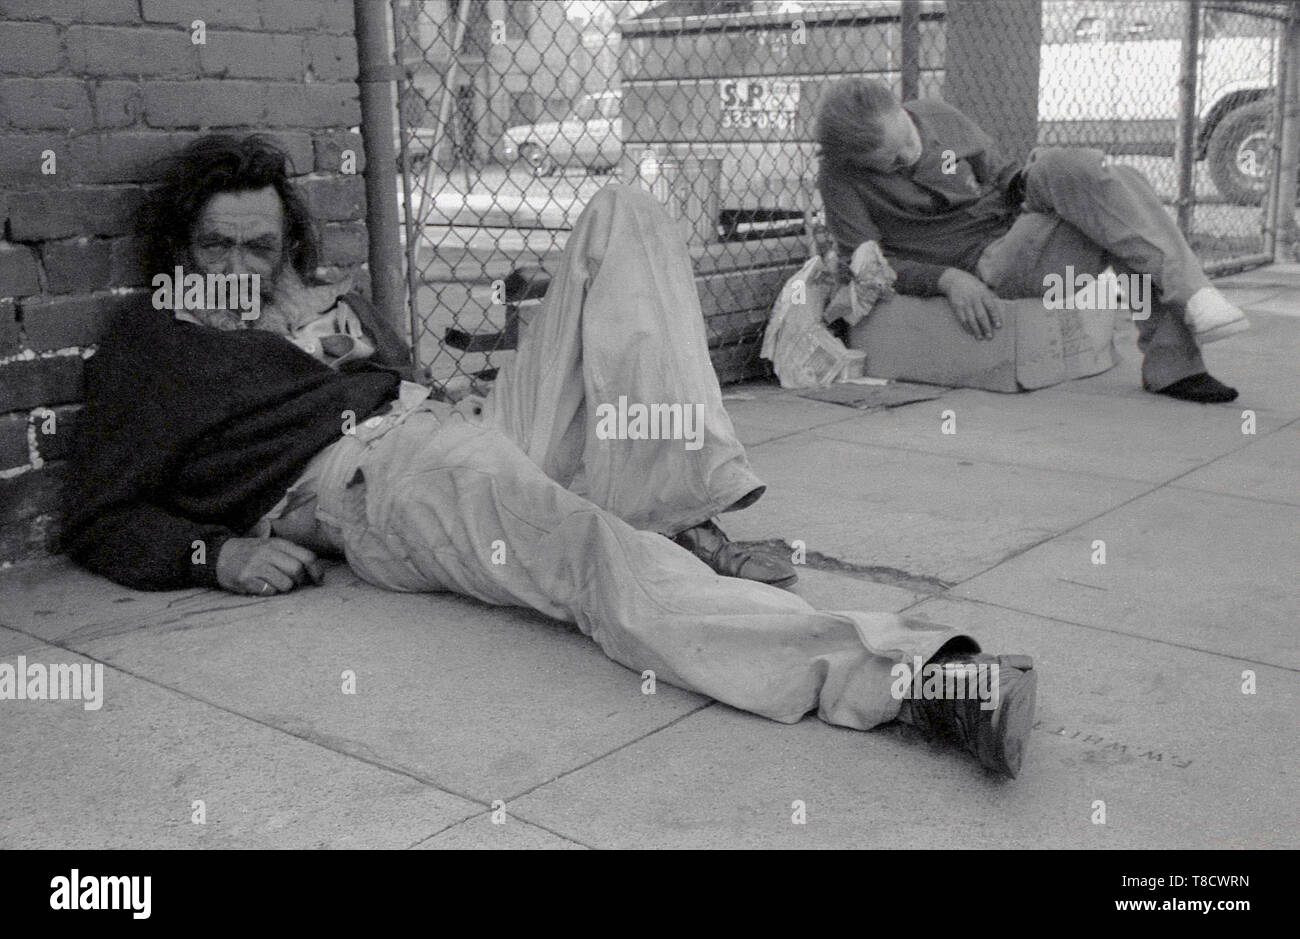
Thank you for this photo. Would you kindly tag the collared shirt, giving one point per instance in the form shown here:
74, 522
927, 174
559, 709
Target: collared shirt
940, 213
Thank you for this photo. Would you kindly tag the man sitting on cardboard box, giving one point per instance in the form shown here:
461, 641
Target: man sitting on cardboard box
227, 450
956, 218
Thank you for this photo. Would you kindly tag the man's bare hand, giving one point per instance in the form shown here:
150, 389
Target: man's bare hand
978, 309
266, 566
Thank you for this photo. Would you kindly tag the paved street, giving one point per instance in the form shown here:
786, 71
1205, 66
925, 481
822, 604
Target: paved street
461, 709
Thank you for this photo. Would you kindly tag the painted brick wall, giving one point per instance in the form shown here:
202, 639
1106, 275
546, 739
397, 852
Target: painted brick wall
107, 86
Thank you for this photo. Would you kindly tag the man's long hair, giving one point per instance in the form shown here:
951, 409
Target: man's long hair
214, 164
848, 119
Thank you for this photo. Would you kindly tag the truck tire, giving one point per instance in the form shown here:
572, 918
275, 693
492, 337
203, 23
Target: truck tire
1238, 153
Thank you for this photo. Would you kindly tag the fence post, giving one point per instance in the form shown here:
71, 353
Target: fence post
1289, 135
1275, 147
1185, 159
991, 61
376, 74
910, 27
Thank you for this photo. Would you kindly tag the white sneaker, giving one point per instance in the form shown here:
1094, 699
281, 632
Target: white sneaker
1211, 317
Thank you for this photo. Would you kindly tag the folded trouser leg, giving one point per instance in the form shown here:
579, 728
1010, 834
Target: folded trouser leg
1169, 351
1039, 244
1115, 207
622, 320
460, 508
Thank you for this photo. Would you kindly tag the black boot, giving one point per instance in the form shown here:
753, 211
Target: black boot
997, 737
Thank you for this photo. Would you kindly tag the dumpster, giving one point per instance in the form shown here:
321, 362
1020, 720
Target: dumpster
719, 101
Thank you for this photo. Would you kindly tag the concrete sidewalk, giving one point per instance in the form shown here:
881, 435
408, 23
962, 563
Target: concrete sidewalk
460, 709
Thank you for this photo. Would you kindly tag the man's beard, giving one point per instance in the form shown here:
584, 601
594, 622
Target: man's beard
231, 316
287, 304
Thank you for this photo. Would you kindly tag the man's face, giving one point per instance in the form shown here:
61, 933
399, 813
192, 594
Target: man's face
900, 145
241, 233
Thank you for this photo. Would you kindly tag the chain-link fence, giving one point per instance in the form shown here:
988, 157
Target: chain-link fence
1128, 106
514, 114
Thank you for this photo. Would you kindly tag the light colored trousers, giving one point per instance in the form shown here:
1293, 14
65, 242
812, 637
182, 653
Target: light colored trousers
525, 505
1080, 212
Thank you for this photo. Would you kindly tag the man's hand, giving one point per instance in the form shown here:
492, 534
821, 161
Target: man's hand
266, 566
978, 309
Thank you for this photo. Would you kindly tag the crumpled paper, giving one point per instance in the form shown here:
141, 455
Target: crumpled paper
873, 280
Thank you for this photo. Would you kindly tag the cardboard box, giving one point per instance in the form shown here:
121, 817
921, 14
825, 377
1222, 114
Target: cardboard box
919, 339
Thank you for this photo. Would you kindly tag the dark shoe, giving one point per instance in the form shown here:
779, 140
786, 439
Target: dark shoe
1202, 388
997, 737
708, 543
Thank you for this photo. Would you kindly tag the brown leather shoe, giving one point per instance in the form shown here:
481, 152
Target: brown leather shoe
708, 543
996, 737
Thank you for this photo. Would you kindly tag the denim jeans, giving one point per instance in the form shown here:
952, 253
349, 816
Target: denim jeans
1082, 213
524, 504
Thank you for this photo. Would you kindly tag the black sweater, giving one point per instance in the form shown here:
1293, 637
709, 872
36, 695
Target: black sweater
192, 434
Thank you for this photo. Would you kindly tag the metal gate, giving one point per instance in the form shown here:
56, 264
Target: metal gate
513, 114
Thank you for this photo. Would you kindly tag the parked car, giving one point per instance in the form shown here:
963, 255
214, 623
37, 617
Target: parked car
590, 135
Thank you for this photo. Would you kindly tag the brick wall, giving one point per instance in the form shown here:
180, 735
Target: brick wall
106, 86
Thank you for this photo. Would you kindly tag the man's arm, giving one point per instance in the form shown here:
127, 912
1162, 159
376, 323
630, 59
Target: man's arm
120, 455
976, 307
989, 164
850, 224
131, 440
142, 546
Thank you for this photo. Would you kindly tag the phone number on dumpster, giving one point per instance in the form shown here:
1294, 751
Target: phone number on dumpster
760, 103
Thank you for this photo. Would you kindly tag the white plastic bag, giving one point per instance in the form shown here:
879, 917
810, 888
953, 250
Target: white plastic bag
800, 348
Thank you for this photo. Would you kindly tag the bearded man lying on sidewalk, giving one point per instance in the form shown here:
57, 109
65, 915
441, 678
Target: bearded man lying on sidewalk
228, 451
